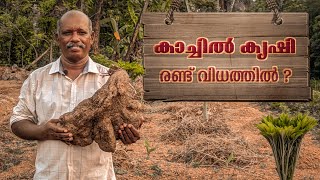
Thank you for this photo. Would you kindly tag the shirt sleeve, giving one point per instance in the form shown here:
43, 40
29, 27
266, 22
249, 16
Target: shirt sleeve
25, 109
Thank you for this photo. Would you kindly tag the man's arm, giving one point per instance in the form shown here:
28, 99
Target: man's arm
51, 130
23, 121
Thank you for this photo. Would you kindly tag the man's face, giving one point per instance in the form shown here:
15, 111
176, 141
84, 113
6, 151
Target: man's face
74, 37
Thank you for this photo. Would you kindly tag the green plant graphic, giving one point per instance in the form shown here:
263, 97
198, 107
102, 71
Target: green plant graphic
284, 134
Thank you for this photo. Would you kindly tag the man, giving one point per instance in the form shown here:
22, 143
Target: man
55, 89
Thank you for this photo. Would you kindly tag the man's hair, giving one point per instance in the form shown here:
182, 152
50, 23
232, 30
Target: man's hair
72, 13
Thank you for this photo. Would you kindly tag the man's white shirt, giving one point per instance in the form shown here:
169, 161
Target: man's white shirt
47, 94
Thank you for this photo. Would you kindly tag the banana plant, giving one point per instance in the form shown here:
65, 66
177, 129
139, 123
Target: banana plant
115, 41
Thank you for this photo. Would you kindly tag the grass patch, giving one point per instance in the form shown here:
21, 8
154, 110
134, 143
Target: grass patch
7, 161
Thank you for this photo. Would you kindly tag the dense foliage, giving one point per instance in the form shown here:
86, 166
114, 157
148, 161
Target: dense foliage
27, 27
134, 69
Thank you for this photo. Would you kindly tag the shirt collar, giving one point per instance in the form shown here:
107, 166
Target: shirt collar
90, 67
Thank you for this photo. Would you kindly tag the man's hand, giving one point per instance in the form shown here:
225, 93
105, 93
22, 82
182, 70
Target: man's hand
52, 130
128, 134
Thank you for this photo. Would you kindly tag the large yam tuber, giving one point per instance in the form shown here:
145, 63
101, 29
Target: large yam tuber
98, 118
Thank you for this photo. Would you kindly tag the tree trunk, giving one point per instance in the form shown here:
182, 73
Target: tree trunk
10, 46
82, 5
240, 6
36, 60
35, 19
136, 31
230, 5
217, 5
96, 27
222, 5
187, 5
51, 53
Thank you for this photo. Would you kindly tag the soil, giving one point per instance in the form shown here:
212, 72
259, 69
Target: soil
131, 163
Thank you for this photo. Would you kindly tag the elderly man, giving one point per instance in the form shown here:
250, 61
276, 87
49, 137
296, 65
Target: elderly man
55, 89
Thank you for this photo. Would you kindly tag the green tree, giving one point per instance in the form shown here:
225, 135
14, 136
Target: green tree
27, 27
315, 47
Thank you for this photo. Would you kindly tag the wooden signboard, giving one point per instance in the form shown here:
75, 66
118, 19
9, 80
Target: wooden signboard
226, 57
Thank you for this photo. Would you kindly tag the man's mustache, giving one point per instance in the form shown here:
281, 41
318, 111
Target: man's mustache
71, 44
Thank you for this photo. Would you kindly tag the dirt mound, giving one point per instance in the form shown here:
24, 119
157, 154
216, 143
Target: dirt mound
206, 142
13, 73
187, 126
204, 150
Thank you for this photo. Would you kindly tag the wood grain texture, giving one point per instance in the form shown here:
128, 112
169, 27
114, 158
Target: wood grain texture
243, 27
230, 93
176, 62
232, 30
224, 18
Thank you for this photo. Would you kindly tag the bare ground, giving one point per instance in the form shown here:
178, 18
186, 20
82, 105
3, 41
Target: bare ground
17, 156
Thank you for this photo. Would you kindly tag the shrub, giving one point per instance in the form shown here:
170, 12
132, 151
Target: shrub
134, 69
284, 134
